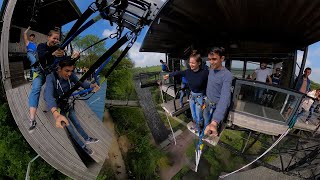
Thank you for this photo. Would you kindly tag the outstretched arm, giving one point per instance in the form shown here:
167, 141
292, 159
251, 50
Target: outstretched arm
25, 37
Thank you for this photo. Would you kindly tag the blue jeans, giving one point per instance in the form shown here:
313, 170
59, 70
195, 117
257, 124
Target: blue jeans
208, 112
35, 90
74, 120
311, 110
32, 58
196, 102
183, 91
258, 93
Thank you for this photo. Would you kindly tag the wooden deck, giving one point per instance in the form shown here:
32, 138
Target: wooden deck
52, 143
169, 107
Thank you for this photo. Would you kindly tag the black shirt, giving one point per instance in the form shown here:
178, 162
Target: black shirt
197, 81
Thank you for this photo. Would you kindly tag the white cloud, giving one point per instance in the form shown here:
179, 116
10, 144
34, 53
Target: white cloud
142, 59
315, 75
108, 32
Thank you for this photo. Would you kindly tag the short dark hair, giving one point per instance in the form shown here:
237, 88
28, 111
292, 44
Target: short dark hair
32, 35
218, 50
161, 60
308, 68
66, 61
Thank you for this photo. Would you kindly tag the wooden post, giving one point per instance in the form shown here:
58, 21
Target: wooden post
4, 58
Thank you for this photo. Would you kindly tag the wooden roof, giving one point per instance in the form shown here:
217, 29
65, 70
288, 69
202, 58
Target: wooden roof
47, 14
267, 26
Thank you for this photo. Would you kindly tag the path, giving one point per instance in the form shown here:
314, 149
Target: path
177, 153
115, 156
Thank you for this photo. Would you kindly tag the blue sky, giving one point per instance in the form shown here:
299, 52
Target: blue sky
103, 28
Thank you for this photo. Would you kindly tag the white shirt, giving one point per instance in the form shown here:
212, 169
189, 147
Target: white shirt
262, 74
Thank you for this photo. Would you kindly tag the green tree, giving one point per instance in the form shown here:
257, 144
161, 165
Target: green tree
15, 152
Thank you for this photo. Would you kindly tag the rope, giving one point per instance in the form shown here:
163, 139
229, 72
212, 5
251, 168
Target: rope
273, 145
174, 138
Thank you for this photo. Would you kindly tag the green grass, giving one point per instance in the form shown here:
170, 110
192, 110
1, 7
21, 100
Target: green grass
139, 70
181, 173
143, 159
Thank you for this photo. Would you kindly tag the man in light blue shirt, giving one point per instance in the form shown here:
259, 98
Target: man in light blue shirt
218, 91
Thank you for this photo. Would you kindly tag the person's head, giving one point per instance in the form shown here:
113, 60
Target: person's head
263, 65
195, 61
161, 61
278, 70
216, 56
53, 37
66, 68
318, 92
307, 72
31, 37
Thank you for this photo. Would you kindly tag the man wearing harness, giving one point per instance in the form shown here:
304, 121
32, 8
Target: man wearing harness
57, 83
31, 49
218, 91
47, 57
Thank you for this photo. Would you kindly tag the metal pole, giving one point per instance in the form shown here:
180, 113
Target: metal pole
29, 165
303, 62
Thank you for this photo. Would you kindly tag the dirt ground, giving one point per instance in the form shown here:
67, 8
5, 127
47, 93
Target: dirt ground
115, 157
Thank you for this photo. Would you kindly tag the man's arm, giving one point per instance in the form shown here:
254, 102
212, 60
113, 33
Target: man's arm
221, 107
25, 37
224, 101
176, 73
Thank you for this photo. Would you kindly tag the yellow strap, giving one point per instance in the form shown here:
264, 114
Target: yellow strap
35, 75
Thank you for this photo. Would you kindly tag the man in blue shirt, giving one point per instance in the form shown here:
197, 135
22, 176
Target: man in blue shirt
164, 66
31, 49
57, 83
303, 82
218, 91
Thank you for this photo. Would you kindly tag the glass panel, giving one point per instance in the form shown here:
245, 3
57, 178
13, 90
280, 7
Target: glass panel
266, 101
251, 67
237, 68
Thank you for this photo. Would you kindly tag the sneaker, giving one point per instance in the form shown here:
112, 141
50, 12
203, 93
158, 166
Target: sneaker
87, 150
307, 122
33, 124
92, 140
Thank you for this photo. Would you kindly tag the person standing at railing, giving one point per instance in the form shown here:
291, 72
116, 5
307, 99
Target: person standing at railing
303, 82
184, 90
262, 74
197, 79
164, 66
218, 91
309, 104
31, 49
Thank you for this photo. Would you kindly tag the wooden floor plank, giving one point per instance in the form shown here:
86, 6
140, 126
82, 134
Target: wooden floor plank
52, 143
35, 142
54, 146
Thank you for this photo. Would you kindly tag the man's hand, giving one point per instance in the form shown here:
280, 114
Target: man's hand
60, 119
95, 87
212, 129
58, 53
165, 77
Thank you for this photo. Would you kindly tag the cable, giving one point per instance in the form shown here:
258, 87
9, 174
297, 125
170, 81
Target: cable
174, 138
273, 145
